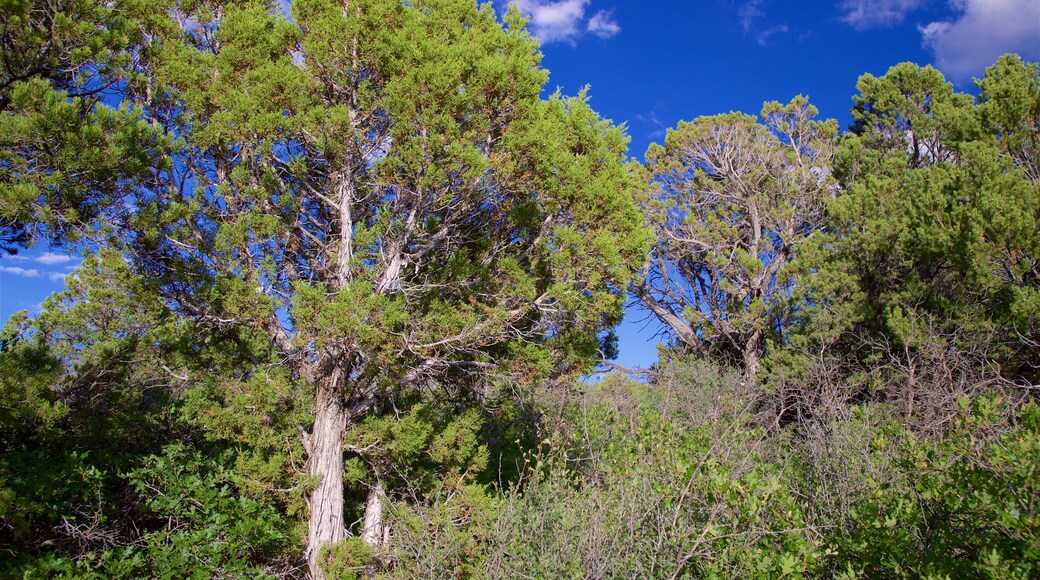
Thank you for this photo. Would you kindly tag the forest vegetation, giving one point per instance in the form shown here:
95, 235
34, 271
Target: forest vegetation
349, 287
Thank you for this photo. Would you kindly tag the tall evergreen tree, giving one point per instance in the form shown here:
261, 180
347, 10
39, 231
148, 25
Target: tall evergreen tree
377, 188
935, 230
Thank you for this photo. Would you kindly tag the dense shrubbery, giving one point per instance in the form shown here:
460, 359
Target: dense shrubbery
680, 477
675, 479
656, 481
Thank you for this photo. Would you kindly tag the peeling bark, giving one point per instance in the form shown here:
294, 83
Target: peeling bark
345, 200
373, 533
325, 524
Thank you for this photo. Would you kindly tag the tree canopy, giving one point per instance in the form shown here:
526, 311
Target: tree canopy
731, 201
377, 188
936, 224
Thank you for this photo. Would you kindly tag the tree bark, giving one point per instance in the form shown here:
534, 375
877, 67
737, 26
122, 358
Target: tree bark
372, 533
345, 199
325, 524
752, 358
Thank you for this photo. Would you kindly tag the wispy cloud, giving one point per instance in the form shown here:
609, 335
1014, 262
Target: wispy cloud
982, 31
763, 37
50, 259
46, 258
865, 14
565, 21
750, 12
603, 25
658, 130
24, 272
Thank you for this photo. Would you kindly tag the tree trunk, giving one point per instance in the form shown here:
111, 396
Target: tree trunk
375, 532
325, 525
752, 359
372, 533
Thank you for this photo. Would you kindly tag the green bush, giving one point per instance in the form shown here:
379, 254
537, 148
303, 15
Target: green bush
650, 481
964, 504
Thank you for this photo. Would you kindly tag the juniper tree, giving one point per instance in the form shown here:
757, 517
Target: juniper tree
731, 200
378, 188
935, 232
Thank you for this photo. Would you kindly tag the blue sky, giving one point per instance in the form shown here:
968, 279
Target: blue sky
650, 64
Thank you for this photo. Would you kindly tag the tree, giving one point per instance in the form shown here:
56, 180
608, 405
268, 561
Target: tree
1009, 101
84, 395
936, 226
65, 156
114, 458
911, 112
378, 189
731, 200
58, 40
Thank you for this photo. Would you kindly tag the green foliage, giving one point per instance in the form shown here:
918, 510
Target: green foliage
450, 537
957, 506
732, 200
57, 41
648, 481
85, 402
935, 228
207, 527
332, 211
92, 393
211, 528
651, 480
67, 159
97, 155
428, 447
364, 220
258, 416
347, 559
381, 191
27, 371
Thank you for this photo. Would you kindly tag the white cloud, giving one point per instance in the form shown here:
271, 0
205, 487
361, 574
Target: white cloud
651, 119
26, 272
558, 21
57, 276
603, 25
750, 12
984, 30
50, 259
564, 20
763, 37
864, 14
